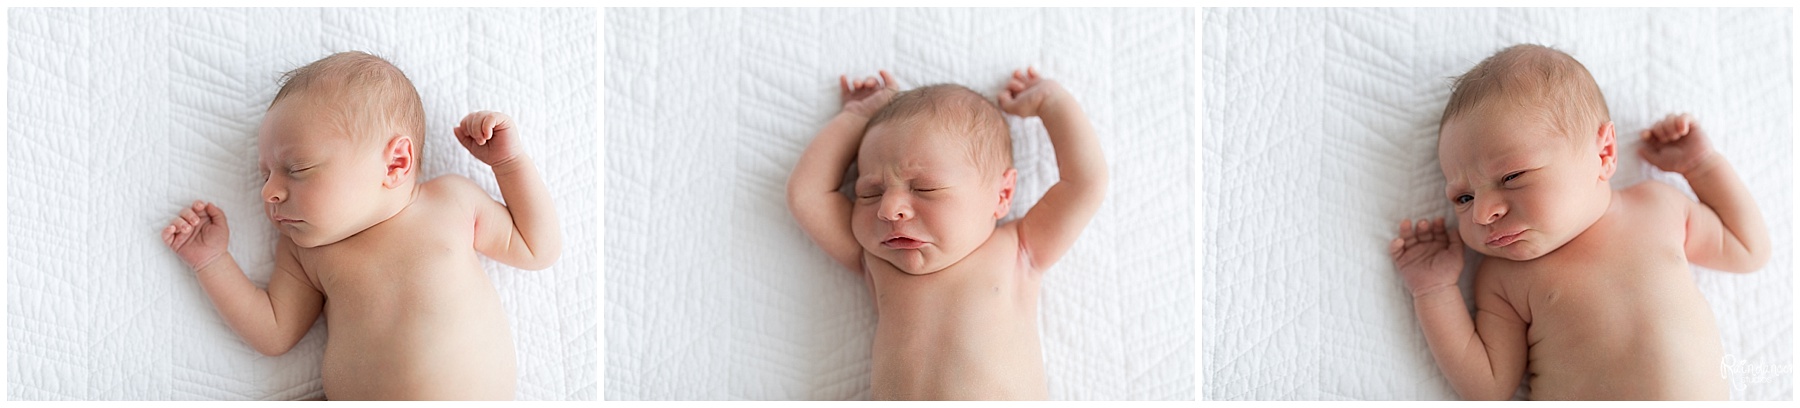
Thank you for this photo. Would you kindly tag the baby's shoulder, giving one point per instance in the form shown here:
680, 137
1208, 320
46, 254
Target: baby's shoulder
1004, 246
449, 186
1655, 196
451, 191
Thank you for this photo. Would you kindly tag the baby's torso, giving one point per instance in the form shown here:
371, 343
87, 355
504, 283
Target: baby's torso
1615, 314
409, 312
966, 332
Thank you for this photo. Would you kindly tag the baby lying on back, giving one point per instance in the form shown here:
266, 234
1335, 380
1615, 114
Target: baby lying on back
391, 262
1585, 289
955, 293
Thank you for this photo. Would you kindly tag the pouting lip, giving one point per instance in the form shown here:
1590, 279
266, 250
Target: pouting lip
909, 243
1500, 239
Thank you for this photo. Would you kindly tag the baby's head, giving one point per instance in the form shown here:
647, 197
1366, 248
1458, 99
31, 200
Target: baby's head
934, 175
339, 147
1526, 146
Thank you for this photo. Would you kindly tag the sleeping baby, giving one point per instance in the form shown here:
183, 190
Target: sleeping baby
1584, 288
955, 294
390, 260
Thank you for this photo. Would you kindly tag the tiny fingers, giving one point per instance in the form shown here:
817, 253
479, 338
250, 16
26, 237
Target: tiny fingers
215, 213
1437, 230
189, 217
1406, 230
888, 80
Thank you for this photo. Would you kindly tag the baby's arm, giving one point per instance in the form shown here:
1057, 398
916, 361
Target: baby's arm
1482, 357
1051, 226
523, 232
270, 320
1724, 230
812, 190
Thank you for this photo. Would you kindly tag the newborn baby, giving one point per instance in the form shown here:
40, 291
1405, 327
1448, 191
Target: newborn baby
955, 295
390, 261
1585, 288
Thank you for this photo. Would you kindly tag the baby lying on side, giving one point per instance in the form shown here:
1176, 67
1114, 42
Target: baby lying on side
391, 262
1585, 288
955, 295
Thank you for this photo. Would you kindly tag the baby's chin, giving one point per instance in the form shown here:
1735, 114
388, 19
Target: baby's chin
311, 240
911, 262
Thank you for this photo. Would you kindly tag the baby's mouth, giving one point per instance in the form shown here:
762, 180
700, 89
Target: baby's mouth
1500, 239
903, 243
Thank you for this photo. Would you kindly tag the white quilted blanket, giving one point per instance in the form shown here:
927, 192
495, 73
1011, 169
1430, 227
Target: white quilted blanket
1320, 135
712, 290
118, 118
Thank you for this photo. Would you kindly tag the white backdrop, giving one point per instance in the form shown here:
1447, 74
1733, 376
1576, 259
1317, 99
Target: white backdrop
713, 292
1320, 135
118, 118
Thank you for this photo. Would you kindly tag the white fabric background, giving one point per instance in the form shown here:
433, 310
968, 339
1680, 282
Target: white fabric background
119, 118
713, 292
1321, 132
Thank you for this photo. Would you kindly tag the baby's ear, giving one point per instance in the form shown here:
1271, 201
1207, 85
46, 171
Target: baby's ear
1607, 141
398, 157
1006, 192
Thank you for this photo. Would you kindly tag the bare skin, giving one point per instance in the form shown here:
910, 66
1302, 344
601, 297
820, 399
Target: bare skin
956, 295
392, 264
1584, 289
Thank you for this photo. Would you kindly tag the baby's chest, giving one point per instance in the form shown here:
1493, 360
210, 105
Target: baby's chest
402, 250
956, 293
1612, 273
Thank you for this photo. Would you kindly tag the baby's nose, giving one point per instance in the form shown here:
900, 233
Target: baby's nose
1490, 213
272, 193
895, 210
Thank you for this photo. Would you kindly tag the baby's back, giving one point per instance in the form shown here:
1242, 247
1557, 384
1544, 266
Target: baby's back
968, 332
1615, 314
409, 312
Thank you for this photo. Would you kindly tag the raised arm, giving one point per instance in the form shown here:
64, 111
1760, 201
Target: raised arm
812, 190
523, 232
1724, 230
1483, 357
1051, 226
270, 320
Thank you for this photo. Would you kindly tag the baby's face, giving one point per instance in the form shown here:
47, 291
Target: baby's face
1520, 187
321, 186
921, 204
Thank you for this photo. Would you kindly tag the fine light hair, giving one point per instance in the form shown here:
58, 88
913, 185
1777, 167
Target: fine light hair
1541, 79
372, 99
955, 110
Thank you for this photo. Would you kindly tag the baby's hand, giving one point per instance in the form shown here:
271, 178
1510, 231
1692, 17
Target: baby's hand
1429, 257
1675, 144
491, 137
198, 235
1028, 95
867, 96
